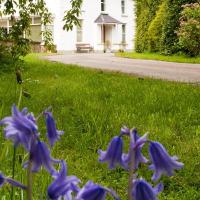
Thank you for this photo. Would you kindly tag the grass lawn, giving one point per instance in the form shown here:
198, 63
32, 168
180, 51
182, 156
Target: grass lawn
157, 56
91, 106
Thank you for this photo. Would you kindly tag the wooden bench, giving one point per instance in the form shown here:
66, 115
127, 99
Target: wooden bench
84, 47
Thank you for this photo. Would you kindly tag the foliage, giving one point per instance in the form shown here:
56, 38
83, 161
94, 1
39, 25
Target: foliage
71, 17
89, 122
155, 29
48, 40
160, 21
180, 58
20, 13
171, 25
21, 24
6, 60
145, 12
189, 31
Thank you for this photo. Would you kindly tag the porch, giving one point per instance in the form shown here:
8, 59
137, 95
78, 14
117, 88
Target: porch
111, 34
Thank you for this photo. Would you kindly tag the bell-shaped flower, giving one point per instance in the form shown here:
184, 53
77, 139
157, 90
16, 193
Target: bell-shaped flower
12, 182
113, 155
63, 185
20, 127
52, 133
40, 156
144, 191
162, 163
93, 191
125, 131
135, 149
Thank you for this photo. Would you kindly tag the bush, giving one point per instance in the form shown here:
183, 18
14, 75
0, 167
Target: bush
155, 29
10, 55
157, 25
189, 31
145, 11
6, 60
171, 24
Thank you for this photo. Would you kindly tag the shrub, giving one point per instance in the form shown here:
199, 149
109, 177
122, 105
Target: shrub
189, 31
6, 60
155, 29
145, 11
171, 24
157, 26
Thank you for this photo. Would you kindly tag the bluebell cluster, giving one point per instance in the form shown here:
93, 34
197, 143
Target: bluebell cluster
21, 128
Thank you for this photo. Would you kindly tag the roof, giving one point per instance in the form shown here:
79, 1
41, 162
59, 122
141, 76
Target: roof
106, 19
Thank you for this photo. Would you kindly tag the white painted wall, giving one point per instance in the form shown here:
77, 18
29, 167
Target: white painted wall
91, 9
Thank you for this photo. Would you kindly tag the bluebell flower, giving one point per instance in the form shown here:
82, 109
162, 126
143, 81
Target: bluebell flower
113, 155
136, 145
52, 133
162, 163
93, 191
125, 131
20, 127
12, 182
144, 191
63, 185
40, 156
2, 180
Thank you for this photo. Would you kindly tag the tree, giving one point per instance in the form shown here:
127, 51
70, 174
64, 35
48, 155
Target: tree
25, 9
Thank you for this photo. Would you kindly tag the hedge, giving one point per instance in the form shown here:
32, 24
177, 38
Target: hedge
157, 25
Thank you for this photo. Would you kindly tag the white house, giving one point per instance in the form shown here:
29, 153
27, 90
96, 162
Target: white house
105, 24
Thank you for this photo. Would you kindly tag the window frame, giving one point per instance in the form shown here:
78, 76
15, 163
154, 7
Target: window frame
123, 7
124, 33
79, 32
103, 5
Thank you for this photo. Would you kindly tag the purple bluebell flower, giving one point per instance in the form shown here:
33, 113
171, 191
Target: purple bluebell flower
63, 185
162, 163
144, 191
20, 127
93, 191
52, 133
113, 155
136, 145
2, 180
125, 131
40, 156
12, 182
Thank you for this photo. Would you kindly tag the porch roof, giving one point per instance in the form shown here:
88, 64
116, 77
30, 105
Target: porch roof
106, 19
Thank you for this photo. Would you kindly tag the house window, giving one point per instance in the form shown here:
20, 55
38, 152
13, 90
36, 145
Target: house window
103, 5
80, 31
35, 30
123, 33
33, 34
123, 6
3, 23
4, 27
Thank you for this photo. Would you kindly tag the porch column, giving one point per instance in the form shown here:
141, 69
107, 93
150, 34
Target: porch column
117, 34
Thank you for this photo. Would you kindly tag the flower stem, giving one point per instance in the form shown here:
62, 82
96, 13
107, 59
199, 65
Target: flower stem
14, 149
29, 181
42, 113
13, 170
131, 168
20, 96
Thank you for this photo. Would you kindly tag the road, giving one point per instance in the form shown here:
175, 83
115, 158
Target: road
156, 69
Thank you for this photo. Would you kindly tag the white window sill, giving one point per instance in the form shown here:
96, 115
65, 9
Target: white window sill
104, 12
124, 15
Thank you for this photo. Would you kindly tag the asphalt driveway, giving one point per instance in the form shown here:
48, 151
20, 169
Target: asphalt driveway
157, 69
